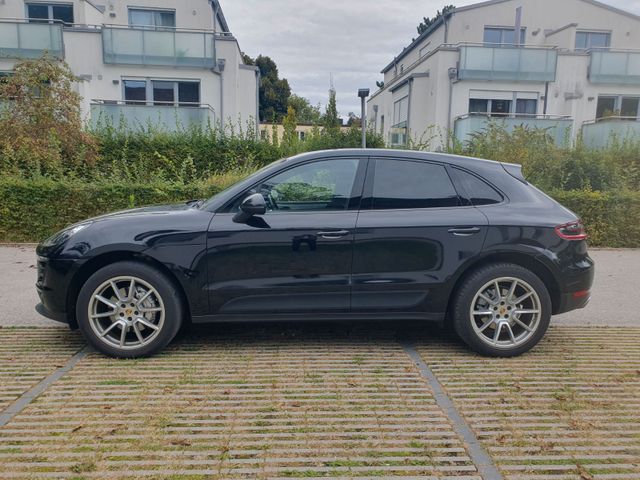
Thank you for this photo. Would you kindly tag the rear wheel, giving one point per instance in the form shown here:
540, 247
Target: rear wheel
129, 309
502, 310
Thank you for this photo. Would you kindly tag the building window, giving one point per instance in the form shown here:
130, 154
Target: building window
382, 125
49, 12
152, 18
589, 40
618, 106
162, 92
135, 91
498, 107
401, 110
502, 36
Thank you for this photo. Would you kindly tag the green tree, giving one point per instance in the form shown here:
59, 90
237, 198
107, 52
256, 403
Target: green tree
274, 91
40, 122
290, 137
427, 22
305, 112
330, 121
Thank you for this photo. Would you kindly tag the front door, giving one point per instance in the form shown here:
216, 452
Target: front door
412, 235
295, 258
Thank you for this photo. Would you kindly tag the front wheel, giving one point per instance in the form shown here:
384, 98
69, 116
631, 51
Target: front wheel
129, 309
502, 310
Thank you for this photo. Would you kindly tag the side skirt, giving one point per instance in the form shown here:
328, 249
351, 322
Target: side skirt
317, 317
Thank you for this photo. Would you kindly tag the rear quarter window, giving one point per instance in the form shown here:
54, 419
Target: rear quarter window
475, 190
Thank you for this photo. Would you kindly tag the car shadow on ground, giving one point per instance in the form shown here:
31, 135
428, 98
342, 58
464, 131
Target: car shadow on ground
379, 331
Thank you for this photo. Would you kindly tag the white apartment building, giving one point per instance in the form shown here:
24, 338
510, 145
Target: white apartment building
574, 68
163, 62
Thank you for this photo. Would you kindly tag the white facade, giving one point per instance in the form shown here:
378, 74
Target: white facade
575, 64
147, 61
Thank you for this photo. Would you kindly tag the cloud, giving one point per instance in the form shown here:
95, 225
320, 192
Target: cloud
349, 39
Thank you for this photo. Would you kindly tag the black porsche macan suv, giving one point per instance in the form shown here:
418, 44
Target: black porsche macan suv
343, 234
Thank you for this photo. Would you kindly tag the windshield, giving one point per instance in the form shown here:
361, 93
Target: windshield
204, 205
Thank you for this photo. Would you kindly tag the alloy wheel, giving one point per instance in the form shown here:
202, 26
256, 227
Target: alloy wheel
126, 312
505, 312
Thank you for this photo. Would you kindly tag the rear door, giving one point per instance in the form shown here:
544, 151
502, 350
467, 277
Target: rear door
413, 233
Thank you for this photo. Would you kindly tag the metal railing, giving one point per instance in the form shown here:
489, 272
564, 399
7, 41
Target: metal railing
614, 66
602, 131
133, 114
558, 126
162, 47
507, 62
20, 39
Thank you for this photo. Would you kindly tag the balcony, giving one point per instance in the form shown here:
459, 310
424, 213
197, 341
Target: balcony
622, 68
506, 62
559, 128
604, 131
162, 47
135, 116
30, 40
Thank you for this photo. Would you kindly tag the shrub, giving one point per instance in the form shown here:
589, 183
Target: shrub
33, 209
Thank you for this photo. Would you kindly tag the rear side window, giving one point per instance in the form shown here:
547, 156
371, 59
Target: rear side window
478, 192
405, 184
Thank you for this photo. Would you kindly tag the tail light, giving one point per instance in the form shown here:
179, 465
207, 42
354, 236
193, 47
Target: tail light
572, 231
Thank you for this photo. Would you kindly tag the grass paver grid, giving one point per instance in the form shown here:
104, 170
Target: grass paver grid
253, 403
28, 355
570, 409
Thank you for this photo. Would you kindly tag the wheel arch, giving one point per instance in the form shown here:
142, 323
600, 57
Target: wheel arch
104, 259
524, 260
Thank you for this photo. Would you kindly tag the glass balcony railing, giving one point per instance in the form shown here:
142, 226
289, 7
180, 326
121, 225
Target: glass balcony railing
30, 40
622, 68
139, 115
604, 131
506, 62
163, 47
559, 128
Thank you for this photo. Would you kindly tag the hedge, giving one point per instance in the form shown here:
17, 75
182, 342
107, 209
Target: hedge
31, 210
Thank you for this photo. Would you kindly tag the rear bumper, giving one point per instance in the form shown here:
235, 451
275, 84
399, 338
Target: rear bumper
576, 292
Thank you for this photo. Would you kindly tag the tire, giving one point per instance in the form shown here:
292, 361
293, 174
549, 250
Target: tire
479, 314
150, 317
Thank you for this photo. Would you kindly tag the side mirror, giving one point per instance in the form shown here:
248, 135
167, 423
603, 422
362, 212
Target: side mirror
250, 206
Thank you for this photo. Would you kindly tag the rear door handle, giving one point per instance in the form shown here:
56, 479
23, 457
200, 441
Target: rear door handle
334, 234
464, 232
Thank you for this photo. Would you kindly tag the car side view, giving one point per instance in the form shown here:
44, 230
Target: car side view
344, 234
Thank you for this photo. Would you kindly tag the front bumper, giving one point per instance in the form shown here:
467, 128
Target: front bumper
53, 285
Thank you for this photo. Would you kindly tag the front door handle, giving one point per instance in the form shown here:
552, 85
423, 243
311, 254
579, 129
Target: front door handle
334, 234
464, 232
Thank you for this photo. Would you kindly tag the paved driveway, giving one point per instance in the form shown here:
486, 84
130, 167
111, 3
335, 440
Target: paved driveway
614, 302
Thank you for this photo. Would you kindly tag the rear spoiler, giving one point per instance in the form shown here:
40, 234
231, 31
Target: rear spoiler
515, 171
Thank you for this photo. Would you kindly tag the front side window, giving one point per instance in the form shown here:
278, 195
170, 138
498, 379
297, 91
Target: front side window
402, 184
502, 36
319, 186
589, 40
151, 18
49, 12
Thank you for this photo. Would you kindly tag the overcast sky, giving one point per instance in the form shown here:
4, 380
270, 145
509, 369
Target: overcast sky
351, 39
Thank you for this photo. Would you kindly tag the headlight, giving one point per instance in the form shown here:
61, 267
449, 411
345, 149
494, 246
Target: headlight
64, 235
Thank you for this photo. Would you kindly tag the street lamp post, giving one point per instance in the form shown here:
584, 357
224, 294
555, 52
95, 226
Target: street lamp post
363, 93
